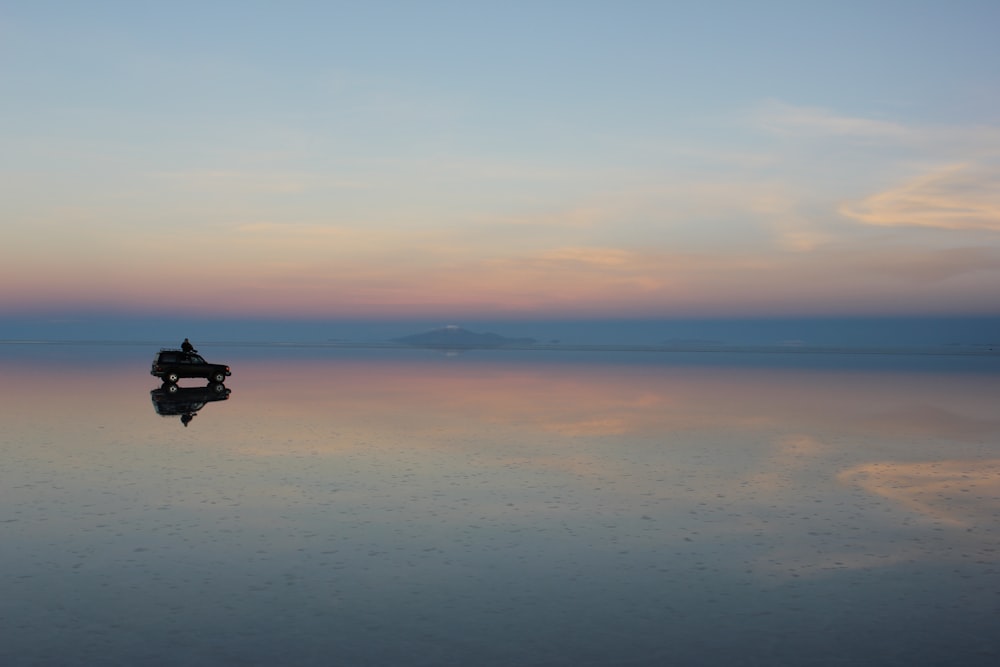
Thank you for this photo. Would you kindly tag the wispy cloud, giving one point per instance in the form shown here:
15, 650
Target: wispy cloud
577, 217
598, 257
956, 197
942, 142
242, 182
787, 119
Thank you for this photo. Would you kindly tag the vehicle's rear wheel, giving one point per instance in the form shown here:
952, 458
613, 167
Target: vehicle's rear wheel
173, 378
172, 388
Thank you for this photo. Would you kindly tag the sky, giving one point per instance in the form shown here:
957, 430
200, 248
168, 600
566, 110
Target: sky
459, 160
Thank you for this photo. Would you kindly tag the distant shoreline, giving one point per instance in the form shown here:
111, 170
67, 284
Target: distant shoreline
938, 350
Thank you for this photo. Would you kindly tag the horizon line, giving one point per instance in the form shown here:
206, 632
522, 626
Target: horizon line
952, 349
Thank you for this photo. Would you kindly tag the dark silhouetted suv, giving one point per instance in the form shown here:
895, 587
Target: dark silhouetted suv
172, 365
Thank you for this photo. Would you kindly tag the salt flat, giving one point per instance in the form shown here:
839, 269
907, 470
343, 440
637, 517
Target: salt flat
406, 507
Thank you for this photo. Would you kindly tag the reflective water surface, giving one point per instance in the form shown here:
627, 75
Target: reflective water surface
409, 508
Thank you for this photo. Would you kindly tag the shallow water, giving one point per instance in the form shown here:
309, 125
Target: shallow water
411, 508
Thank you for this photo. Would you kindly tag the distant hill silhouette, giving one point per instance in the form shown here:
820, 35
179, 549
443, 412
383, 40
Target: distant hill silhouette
454, 337
692, 342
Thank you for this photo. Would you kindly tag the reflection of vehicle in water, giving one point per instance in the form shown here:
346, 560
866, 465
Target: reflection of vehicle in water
171, 400
172, 365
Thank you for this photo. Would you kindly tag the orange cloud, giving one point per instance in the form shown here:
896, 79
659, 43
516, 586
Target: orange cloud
957, 197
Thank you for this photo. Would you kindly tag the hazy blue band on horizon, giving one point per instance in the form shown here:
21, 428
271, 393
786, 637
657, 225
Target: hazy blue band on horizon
887, 333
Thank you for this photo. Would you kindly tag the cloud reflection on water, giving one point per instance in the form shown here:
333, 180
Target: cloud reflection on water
532, 508
761, 438
957, 493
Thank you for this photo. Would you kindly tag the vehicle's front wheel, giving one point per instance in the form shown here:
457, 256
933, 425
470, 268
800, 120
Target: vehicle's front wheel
218, 388
173, 378
218, 377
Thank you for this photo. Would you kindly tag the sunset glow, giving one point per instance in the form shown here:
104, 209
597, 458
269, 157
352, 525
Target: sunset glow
287, 164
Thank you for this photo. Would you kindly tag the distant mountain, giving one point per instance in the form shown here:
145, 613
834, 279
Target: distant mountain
692, 342
454, 337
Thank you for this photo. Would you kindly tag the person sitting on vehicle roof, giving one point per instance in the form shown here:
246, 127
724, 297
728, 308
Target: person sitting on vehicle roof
187, 347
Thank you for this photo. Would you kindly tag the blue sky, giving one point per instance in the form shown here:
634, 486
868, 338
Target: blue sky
456, 160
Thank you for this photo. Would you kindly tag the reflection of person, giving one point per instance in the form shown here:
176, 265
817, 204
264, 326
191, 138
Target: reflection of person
187, 347
186, 418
